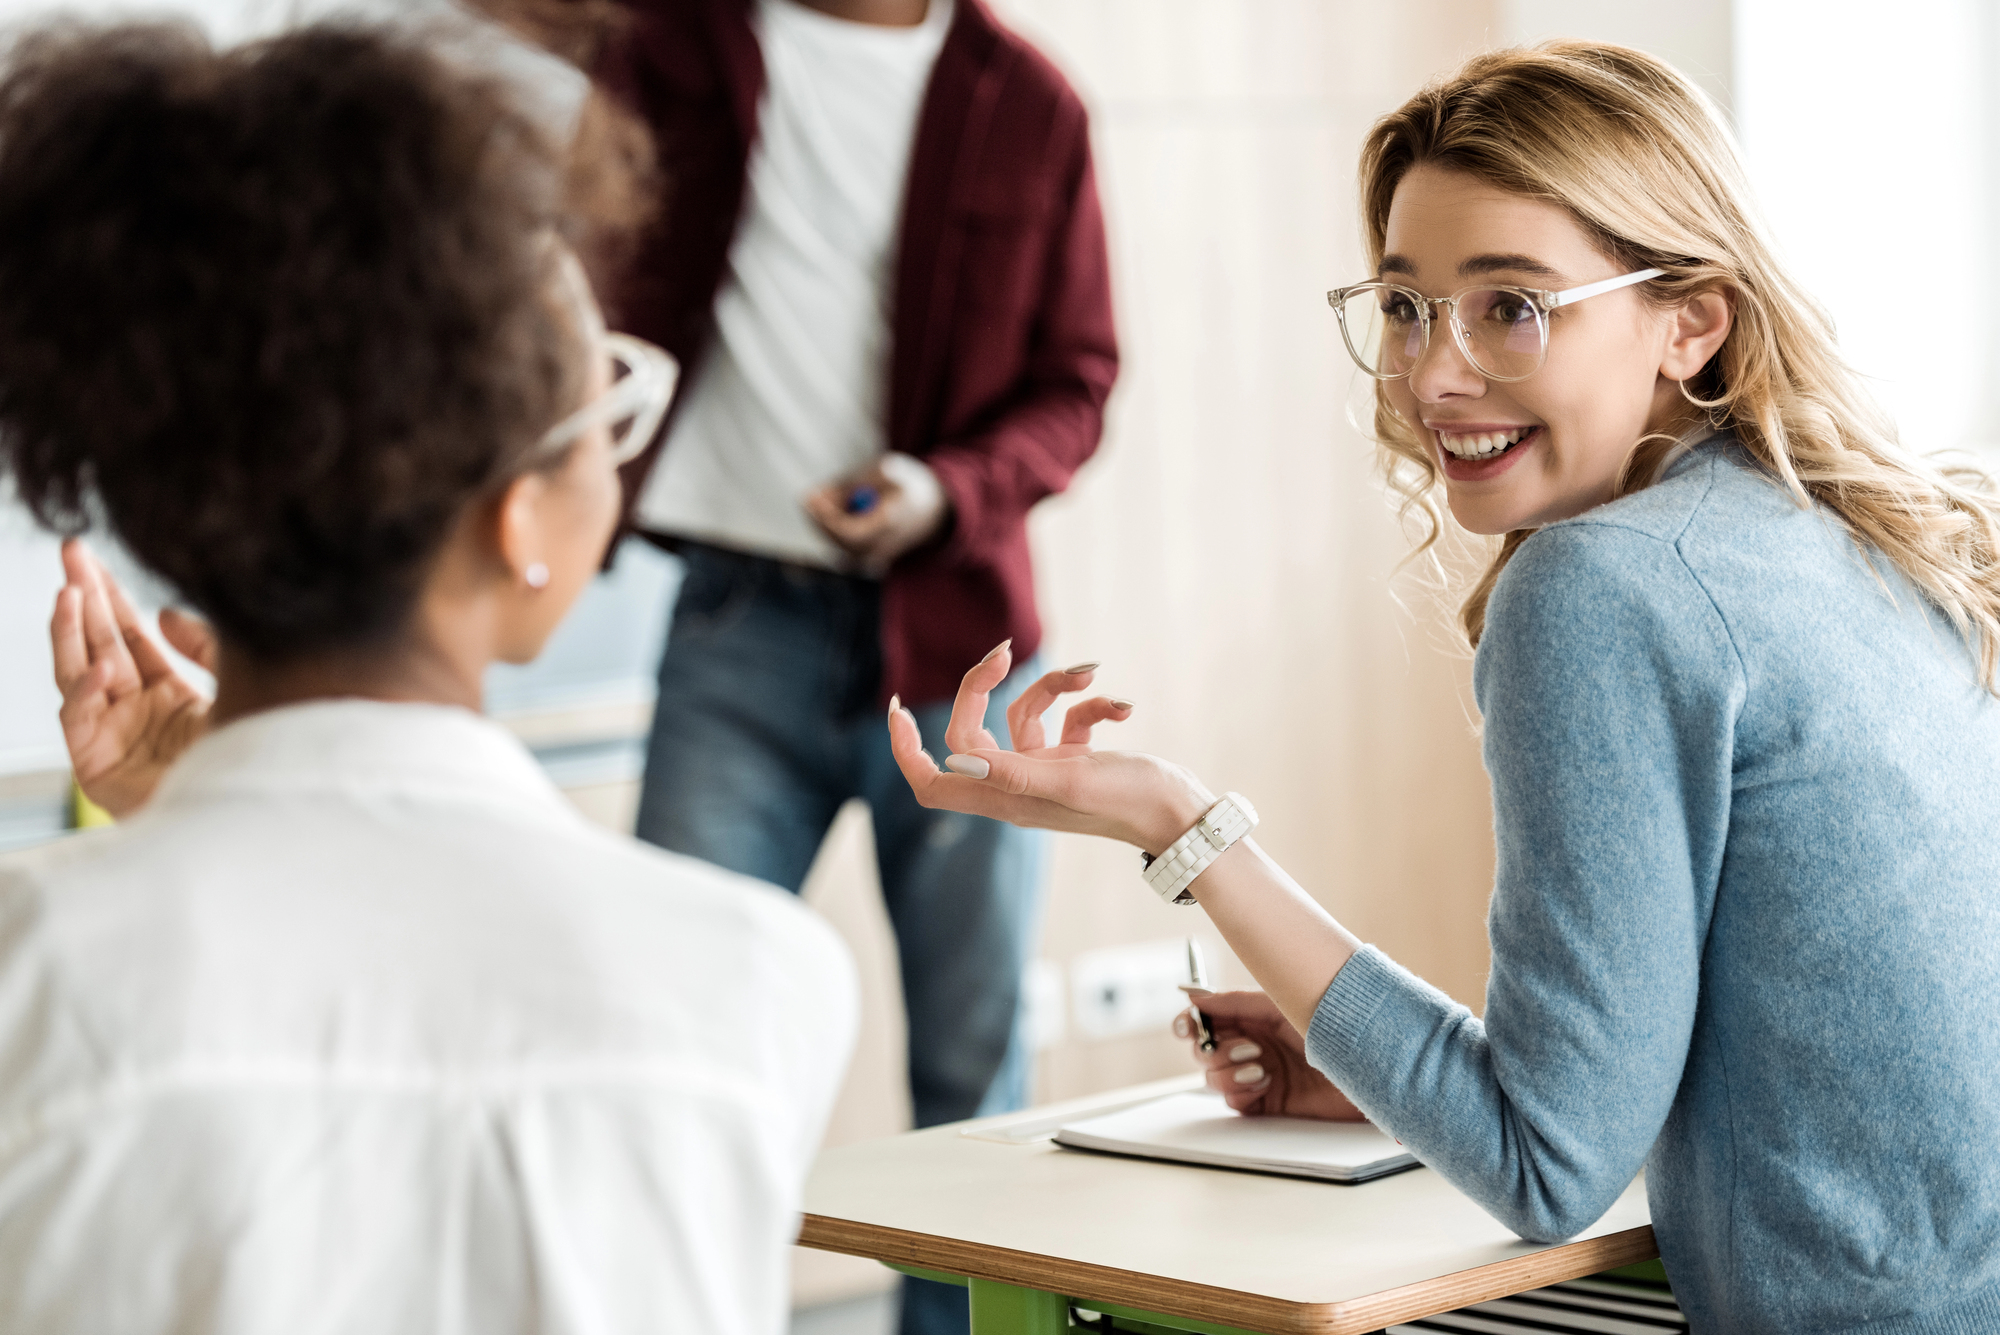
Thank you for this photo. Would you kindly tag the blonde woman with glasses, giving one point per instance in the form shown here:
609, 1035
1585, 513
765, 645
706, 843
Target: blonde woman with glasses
352, 1023
1736, 655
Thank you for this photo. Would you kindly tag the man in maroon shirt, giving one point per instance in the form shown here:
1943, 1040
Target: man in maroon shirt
881, 264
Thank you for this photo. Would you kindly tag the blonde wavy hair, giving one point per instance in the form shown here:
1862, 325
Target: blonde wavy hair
1639, 156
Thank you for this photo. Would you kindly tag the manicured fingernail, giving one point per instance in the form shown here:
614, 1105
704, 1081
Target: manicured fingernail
972, 767
1243, 1052
1182, 1029
994, 652
1081, 668
895, 703
1249, 1075
1123, 704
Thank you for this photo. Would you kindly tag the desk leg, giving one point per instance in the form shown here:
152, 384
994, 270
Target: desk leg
1002, 1309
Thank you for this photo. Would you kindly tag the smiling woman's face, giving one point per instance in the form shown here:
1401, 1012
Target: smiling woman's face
1576, 419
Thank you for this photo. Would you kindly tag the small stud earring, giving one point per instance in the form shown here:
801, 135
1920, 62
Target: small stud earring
537, 575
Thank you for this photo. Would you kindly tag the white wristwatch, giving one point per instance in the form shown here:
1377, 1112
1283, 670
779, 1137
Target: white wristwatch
1171, 873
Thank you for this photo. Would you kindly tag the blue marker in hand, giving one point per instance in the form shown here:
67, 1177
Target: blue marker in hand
861, 500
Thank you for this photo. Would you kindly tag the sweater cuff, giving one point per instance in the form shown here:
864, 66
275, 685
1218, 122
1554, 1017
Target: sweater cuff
1350, 1003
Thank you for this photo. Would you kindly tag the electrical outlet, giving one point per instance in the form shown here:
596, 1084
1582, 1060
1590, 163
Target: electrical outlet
1042, 1005
1128, 989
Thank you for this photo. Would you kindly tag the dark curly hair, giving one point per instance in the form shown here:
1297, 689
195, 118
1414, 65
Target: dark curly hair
278, 314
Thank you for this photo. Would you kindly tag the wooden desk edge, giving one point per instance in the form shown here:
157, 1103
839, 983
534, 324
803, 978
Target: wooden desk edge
1170, 1297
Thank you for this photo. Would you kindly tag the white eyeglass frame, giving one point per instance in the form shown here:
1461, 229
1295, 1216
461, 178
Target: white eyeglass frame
642, 394
1540, 300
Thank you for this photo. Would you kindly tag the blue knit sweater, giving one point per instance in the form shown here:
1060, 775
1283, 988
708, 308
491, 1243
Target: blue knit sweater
1745, 926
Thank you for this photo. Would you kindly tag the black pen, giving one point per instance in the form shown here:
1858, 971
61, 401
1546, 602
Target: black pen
1197, 986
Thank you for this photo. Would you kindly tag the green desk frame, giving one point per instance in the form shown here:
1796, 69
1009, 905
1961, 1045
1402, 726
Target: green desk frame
1007, 1309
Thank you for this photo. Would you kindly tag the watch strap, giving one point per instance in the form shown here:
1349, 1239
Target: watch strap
1172, 872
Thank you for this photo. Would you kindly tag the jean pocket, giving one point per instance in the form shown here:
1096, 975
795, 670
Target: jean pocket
715, 594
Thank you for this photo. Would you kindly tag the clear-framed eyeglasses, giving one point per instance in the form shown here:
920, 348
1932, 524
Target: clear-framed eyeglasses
642, 386
1503, 330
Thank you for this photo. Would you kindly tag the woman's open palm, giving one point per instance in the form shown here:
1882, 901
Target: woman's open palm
126, 713
1067, 785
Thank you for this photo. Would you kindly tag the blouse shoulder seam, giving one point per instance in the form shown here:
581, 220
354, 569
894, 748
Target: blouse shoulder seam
1674, 540
1694, 577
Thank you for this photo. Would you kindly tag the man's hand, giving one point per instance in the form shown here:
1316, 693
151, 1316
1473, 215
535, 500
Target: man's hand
1252, 1039
126, 714
887, 509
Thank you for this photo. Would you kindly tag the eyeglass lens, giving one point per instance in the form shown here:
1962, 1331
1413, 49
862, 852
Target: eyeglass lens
1505, 333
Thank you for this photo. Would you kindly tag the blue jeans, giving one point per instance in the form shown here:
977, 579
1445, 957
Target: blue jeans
769, 718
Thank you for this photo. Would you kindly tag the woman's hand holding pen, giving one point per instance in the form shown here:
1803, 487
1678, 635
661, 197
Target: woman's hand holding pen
1259, 1063
126, 713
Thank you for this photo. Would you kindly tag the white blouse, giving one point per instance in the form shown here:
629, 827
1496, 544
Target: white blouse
358, 1027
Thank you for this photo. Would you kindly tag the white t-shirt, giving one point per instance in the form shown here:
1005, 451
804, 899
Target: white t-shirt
792, 392
358, 1026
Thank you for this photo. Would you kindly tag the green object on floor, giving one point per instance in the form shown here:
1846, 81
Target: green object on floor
1646, 1270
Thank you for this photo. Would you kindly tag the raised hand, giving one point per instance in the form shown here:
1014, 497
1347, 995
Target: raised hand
1259, 1064
126, 713
1066, 786
1291, 945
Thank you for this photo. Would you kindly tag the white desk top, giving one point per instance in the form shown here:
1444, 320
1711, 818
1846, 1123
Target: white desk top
1243, 1249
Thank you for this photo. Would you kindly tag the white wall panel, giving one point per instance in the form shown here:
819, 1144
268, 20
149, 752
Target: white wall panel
1697, 37
1873, 133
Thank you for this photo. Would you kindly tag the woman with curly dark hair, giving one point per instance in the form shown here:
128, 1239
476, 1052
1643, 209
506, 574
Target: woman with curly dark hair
354, 1025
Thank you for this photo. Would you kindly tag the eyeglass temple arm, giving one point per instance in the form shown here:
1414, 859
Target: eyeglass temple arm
648, 389
1588, 290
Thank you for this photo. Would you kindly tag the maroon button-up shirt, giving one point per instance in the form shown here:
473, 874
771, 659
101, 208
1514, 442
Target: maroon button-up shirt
1001, 332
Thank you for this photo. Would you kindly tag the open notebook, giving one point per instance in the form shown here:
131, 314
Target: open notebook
1200, 1129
